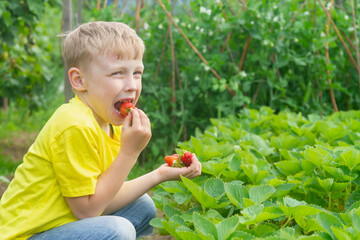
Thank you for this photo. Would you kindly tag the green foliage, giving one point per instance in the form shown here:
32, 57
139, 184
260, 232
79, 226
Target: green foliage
29, 53
7, 167
262, 189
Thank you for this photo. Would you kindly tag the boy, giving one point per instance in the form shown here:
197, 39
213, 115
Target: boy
71, 184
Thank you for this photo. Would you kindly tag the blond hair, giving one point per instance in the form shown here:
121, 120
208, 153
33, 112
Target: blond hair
90, 39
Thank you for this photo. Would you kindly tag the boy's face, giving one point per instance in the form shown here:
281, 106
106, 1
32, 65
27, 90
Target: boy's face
109, 82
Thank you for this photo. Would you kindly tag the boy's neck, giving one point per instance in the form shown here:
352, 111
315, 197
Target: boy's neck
105, 126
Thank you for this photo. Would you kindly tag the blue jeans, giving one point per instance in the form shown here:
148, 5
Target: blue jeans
130, 222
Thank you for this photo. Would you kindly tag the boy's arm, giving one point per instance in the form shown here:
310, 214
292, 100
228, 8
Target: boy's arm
136, 133
132, 190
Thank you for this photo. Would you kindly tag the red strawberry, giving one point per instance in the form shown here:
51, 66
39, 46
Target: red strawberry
125, 108
186, 158
170, 160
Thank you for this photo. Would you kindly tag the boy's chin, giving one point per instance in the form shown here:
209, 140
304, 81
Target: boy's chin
118, 123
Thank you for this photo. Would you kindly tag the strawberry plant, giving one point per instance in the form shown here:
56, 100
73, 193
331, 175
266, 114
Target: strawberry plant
267, 175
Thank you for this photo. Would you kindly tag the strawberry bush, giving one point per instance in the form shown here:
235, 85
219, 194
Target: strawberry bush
267, 175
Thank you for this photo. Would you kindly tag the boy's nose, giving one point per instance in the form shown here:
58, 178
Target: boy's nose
131, 84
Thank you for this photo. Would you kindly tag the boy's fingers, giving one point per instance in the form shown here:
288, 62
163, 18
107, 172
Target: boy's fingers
135, 117
127, 120
145, 121
196, 166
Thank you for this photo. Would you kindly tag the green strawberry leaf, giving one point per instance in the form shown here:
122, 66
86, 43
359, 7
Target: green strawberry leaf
340, 233
199, 194
214, 168
327, 220
259, 194
353, 199
157, 222
188, 234
283, 234
338, 173
242, 235
266, 228
181, 198
284, 141
326, 184
236, 192
289, 205
215, 215
214, 187
173, 186
284, 189
170, 211
171, 227
258, 213
351, 158
253, 211
289, 167
204, 225
355, 218
178, 219
256, 176
261, 145
226, 227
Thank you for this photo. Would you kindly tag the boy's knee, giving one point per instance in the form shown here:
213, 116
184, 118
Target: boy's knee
149, 206
118, 228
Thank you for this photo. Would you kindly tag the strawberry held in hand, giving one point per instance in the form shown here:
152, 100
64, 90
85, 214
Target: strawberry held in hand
170, 160
186, 158
125, 108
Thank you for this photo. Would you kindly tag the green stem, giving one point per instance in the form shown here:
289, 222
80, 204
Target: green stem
287, 222
203, 208
329, 201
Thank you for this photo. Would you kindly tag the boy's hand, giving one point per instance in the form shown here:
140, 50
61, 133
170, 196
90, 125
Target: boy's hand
136, 133
167, 173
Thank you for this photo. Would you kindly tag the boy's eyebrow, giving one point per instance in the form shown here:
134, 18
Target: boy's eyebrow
123, 67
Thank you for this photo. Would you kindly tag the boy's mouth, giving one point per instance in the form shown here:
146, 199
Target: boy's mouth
118, 104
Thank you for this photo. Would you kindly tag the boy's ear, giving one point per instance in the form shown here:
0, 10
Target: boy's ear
76, 80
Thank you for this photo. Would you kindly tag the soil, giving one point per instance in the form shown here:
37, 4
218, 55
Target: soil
15, 147
2, 188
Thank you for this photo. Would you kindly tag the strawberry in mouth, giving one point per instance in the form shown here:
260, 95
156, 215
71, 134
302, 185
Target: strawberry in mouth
124, 107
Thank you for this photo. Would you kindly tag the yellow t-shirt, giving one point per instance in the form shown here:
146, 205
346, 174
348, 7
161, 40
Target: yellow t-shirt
66, 159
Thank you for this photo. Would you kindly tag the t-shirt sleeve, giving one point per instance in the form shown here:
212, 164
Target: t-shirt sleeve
75, 157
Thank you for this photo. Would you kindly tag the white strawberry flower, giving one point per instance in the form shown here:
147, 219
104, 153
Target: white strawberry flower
146, 26
204, 10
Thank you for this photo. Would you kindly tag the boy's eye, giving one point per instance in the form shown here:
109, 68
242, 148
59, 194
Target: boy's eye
117, 73
138, 73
